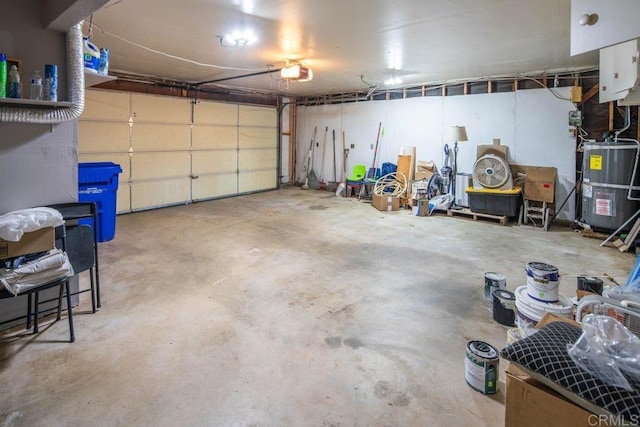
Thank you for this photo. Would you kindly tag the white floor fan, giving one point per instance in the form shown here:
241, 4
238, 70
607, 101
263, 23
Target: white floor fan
492, 172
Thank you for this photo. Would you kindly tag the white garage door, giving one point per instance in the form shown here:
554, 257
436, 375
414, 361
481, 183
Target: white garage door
173, 151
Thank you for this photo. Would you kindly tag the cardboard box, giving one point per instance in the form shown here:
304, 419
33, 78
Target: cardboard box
33, 242
495, 148
386, 203
420, 207
531, 404
550, 317
540, 184
422, 175
419, 189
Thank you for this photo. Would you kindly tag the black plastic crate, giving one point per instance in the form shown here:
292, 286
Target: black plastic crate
495, 203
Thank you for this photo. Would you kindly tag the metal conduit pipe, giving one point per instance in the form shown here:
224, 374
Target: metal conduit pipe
75, 79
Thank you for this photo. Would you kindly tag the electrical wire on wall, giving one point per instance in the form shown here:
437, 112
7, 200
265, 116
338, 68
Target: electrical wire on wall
283, 84
375, 89
372, 87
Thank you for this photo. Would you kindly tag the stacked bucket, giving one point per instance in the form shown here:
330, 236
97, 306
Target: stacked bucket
540, 295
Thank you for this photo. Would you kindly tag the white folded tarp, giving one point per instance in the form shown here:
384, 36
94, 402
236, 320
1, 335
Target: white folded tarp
47, 268
14, 224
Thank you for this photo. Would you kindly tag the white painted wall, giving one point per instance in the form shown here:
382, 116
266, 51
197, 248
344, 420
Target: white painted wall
38, 163
533, 123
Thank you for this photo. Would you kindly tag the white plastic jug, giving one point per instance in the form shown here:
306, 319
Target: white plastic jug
91, 56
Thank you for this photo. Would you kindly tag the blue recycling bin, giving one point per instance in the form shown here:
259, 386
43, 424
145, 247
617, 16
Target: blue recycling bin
98, 182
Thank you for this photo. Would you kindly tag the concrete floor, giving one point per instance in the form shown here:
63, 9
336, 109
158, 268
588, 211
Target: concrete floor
284, 308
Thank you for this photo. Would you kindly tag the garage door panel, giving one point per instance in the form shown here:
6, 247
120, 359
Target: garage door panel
102, 136
160, 137
257, 159
164, 192
105, 105
160, 109
230, 148
257, 180
123, 198
209, 186
215, 161
215, 137
257, 138
257, 116
206, 112
160, 165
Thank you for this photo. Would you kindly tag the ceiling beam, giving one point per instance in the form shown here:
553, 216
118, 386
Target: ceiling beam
61, 15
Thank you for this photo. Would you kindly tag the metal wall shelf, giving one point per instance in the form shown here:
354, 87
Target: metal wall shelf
90, 79
93, 79
32, 103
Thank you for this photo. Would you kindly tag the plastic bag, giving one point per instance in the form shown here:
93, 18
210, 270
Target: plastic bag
52, 266
634, 286
14, 224
606, 349
440, 203
622, 293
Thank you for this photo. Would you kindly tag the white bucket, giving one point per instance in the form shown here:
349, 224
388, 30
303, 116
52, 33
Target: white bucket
543, 281
529, 310
493, 282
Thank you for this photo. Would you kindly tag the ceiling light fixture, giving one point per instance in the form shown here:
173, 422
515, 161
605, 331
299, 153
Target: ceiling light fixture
393, 81
238, 39
296, 71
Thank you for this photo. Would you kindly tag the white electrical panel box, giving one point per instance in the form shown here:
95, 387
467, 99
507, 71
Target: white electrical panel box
619, 73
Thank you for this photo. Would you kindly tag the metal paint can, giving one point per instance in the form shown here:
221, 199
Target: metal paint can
481, 367
492, 282
50, 83
504, 307
590, 284
543, 281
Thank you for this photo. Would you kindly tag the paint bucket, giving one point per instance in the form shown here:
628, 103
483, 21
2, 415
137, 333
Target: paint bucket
504, 307
481, 367
543, 281
530, 310
590, 284
492, 282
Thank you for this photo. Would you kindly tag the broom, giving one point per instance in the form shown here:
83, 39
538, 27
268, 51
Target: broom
333, 185
309, 171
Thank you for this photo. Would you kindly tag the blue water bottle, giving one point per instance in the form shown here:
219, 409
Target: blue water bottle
51, 82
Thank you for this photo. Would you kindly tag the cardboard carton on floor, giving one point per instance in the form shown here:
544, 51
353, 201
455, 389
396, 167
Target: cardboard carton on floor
531, 404
33, 242
386, 203
540, 183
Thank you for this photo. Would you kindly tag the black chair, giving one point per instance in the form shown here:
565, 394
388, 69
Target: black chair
33, 294
74, 213
78, 242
